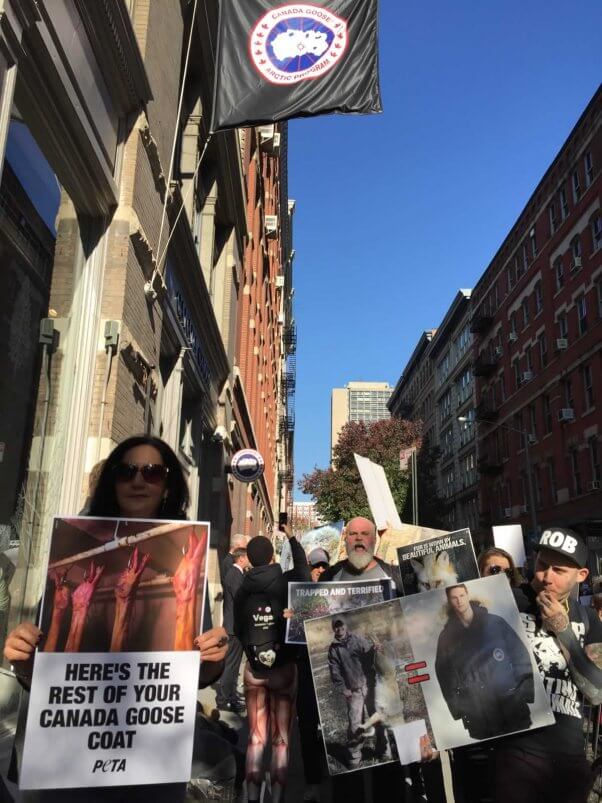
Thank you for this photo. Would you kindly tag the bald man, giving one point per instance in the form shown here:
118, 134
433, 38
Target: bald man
361, 564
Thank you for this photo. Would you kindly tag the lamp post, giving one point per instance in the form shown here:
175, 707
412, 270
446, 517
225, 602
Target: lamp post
530, 489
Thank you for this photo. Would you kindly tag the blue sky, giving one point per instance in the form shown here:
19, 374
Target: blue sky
396, 212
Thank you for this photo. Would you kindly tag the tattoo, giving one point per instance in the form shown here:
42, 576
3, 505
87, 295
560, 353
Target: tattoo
556, 623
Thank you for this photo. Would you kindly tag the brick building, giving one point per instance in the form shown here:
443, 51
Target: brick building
120, 314
537, 320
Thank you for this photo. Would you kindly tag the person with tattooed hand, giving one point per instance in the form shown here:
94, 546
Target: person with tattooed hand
549, 764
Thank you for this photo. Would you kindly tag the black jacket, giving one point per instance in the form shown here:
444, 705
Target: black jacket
259, 604
389, 569
485, 674
351, 663
232, 582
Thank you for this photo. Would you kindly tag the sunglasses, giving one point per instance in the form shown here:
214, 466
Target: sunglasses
152, 473
498, 570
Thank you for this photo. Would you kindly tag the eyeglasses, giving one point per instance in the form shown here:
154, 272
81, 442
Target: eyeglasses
495, 569
152, 473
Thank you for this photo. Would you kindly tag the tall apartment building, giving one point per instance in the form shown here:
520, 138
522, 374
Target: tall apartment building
437, 387
110, 331
357, 401
537, 322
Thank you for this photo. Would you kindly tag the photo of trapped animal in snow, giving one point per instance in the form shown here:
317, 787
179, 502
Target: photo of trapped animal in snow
437, 562
118, 586
359, 661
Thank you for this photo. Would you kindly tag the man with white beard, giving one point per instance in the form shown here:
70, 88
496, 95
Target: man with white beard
360, 543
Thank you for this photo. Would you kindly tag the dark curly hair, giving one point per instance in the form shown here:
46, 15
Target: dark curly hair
104, 499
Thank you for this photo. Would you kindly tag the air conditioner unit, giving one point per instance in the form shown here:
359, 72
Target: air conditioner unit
532, 439
279, 281
512, 337
526, 376
576, 264
566, 414
498, 351
594, 485
281, 319
523, 509
271, 225
507, 512
562, 344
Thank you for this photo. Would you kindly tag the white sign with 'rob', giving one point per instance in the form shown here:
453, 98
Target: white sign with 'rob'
110, 719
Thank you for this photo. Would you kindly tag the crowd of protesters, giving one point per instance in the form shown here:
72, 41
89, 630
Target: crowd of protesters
142, 478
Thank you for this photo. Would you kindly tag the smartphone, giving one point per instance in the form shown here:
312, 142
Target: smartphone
283, 519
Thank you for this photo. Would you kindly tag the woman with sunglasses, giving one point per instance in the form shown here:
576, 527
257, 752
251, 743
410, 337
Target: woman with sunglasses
141, 479
495, 561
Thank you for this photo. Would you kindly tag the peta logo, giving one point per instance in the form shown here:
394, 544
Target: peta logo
297, 42
558, 540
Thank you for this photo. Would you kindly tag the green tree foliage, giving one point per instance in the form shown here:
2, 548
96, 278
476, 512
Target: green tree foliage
338, 490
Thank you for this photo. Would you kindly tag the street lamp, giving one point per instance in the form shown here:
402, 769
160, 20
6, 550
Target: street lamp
464, 419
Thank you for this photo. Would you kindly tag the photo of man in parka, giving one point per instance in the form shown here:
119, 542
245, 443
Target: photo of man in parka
483, 668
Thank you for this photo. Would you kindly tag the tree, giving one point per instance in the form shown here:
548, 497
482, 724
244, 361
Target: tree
338, 490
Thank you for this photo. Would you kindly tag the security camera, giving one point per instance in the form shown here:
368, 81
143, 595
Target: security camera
220, 434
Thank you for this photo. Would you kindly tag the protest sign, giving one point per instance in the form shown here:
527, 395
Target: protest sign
510, 538
437, 562
458, 659
310, 600
327, 537
378, 491
116, 674
121, 718
405, 534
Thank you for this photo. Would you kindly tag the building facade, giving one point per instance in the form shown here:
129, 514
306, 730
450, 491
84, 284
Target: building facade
437, 388
134, 246
537, 320
357, 401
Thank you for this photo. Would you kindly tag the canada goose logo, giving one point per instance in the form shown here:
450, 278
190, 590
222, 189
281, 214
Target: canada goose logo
293, 43
498, 654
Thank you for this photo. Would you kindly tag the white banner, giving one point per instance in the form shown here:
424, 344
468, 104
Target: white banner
117, 719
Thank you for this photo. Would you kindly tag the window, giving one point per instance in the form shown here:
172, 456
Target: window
552, 482
529, 358
511, 277
547, 413
538, 298
532, 420
525, 309
594, 456
588, 386
599, 292
576, 186
575, 469
559, 273
525, 258
581, 314
515, 368
533, 243
505, 446
543, 350
513, 326
553, 218
519, 429
589, 168
596, 229
564, 204
567, 393
563, 325
576, 252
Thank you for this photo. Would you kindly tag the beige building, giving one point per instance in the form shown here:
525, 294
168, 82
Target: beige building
357, 401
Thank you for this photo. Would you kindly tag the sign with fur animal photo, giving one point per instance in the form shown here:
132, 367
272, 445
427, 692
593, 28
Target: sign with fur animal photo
443, 668
310, 600
115, 678
437, 562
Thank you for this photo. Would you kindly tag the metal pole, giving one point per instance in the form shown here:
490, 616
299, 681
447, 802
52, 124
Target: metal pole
530, 486
414, 488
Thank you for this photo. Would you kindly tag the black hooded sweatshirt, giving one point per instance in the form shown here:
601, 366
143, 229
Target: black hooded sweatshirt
259, 623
